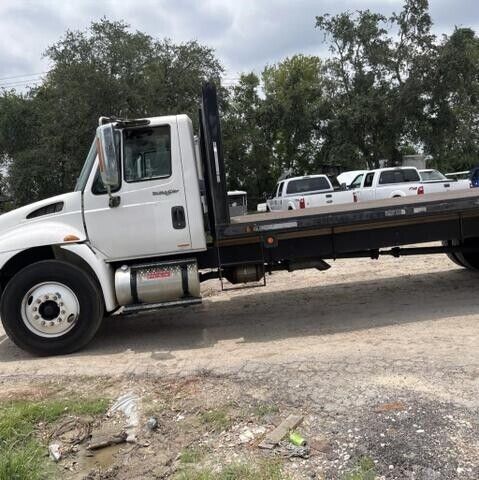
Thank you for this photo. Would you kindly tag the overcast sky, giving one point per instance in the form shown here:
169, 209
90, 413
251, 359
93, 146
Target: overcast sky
247, 34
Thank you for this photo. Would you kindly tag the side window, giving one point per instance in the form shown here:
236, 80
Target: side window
368, 181
356, 183
147, 153
280, 190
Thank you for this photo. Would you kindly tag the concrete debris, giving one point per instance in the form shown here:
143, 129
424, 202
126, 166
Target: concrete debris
152, 423
106, 436
246, 436
54, 451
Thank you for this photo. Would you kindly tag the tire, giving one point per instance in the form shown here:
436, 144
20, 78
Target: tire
469, 260
68, 322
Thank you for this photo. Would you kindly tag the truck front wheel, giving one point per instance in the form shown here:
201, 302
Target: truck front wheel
51, 308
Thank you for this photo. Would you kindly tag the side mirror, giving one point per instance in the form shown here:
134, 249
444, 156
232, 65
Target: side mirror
344, 186
107, 155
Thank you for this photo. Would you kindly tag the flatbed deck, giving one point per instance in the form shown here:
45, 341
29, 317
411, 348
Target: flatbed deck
412, 209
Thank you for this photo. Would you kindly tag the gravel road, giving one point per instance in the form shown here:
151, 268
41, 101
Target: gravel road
334, 344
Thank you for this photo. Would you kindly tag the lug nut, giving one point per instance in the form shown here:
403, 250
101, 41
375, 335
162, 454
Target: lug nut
54, 298
52, 324
58, 295
61, 304
35, 309
43, 323
63, 312
36, 317
39, 301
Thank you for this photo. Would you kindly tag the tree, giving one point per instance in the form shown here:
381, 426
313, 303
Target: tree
105, 70
375, 81
293, 112
451, 134
248, 158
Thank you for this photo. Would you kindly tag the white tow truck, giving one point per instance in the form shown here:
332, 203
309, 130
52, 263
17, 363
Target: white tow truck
306, 192
397, 182
135, 234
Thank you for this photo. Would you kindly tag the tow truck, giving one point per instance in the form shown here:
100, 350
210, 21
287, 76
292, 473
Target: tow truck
136, 234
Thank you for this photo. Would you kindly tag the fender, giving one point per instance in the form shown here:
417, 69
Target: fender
103, 271
19, 230
397, 193
38, 235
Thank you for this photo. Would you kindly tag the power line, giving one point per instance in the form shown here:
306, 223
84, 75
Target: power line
22, 76
23, 83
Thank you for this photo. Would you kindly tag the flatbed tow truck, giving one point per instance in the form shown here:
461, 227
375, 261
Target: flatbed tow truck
136, 234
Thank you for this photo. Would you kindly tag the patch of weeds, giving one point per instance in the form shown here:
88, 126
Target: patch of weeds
264, 470
365, 469
216, 420
22, 456
264, 409
191, 455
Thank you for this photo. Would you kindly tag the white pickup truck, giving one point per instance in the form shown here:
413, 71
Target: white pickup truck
306, 192
398, 182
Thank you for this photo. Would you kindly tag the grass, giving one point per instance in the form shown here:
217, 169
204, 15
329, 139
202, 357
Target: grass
191, 455
22, 455
364, 470
264, 409
264, 470
216, 420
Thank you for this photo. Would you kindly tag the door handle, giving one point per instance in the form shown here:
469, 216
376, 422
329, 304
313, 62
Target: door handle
178, 217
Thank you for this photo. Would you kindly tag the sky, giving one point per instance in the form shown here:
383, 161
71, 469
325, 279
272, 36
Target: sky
246, 34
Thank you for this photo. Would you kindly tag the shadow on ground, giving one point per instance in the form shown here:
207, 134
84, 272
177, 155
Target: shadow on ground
260, 316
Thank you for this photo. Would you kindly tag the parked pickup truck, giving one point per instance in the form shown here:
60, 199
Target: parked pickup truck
398, 182
305, 192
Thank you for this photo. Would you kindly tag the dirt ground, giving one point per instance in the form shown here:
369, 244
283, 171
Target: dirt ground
380, 357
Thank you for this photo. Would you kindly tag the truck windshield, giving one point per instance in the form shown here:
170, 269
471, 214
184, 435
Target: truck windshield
85, 171
312, 184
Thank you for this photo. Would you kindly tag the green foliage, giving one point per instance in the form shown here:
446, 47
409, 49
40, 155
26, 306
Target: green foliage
216, 420
22, 456
105, 70
263, 470
365, 469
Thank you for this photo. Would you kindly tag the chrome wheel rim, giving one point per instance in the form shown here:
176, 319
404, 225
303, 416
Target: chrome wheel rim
50, 309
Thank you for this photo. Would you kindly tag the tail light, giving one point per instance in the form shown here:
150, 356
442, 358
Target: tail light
355, 197
302, 203
420, 190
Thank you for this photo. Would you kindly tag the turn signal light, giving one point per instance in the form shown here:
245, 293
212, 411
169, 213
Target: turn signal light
302, 203
420, 190
70, 238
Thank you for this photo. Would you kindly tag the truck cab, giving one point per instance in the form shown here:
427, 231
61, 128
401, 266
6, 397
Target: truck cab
159, 210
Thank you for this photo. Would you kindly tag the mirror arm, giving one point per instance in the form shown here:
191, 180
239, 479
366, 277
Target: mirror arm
113, 200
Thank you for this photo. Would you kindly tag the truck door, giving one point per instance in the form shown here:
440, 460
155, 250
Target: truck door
367, 192
277, 201
151, 218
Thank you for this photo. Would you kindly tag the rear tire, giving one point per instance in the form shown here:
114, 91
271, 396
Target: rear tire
467, 260
43, 321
